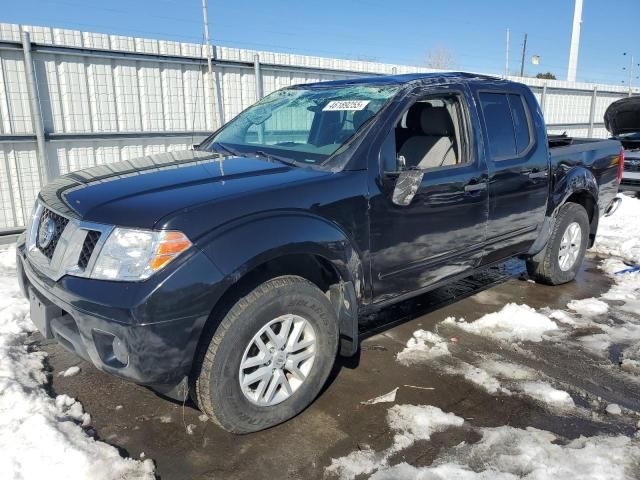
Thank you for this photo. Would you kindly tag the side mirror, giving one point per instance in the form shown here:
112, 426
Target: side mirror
406, 187
194, 146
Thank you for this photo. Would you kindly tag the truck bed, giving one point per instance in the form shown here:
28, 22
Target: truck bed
580, 150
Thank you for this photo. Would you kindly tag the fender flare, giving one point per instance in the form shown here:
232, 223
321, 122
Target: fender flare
243, 245
576, 180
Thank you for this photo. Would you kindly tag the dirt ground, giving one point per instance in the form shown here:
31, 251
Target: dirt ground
136, 420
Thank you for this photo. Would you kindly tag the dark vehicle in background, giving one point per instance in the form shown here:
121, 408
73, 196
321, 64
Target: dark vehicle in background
236, 272
622, 119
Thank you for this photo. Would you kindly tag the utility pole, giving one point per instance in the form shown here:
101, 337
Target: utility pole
575, 42
631, 67
212, 91
506, 57
630, 73
524, 53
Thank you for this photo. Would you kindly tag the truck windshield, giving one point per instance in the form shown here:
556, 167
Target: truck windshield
301, 125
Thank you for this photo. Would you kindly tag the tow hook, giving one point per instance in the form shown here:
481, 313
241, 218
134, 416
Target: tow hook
613, 206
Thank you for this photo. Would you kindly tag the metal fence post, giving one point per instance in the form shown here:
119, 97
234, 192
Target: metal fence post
36, 114
543, 97
258, 75
592, 111
259, 92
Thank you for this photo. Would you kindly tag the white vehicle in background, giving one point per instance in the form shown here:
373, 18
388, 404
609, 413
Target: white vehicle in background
622, 119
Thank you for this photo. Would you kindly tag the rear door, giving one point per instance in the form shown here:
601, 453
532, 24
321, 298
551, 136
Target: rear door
518, 171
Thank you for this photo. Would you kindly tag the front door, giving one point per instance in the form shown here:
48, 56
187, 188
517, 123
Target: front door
440, 231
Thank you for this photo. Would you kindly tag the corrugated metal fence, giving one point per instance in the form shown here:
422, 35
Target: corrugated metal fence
103, 98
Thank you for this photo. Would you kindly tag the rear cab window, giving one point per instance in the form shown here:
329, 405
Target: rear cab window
507, 122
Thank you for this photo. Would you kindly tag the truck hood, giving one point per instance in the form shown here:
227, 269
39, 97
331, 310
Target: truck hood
623, 116
139, 192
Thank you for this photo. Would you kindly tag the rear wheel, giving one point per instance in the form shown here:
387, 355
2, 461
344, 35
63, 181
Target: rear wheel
562, 257
269, 357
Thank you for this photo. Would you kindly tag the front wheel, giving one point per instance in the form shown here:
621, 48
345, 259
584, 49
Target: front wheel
562, 257
269, 357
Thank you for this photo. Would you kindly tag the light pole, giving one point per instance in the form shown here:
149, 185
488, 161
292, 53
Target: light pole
214, 84
506, 55
631, 67
575, 42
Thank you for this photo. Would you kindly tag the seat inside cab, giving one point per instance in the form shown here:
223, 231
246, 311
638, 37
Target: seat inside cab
429, 133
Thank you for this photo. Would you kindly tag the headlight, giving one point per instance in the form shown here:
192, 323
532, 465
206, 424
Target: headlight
130, 255
31, 228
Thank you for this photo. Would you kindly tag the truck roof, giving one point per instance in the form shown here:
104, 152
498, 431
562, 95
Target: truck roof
404, 79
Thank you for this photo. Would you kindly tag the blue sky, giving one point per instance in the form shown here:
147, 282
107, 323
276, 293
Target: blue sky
399, 32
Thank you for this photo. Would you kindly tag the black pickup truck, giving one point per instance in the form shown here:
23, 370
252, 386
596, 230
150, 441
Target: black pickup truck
236, 272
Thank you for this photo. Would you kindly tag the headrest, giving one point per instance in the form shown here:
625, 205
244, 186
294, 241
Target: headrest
414, 115
436, 121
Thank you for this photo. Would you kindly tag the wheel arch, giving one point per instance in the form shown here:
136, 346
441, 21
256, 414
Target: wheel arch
257, 249
580, 186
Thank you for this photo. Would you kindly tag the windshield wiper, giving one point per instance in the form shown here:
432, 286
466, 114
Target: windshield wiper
221, 146
270, 156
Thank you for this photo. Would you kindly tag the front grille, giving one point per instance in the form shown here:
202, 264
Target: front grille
88, 246
59, 223
632, 166
630, 181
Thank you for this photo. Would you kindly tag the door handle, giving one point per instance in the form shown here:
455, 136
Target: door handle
534, 173
474, 187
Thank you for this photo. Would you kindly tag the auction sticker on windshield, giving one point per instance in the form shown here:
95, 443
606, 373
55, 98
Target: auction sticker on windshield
348, 105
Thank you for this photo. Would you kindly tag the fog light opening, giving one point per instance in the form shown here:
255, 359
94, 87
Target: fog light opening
120, 351
112, 350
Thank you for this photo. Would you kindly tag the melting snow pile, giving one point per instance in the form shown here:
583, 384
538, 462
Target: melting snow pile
588, 306
503, 453
42, 437
410, 424
423, 346
494, 375
619, 234
512, 323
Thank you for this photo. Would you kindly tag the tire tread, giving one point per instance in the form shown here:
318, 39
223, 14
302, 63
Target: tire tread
541, 267
201, 383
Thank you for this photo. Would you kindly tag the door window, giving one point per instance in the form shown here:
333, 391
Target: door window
520, 122
431, 134
507, 124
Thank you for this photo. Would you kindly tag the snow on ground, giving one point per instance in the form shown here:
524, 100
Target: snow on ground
41, 436
503, 453
548, 395
70, 372
492, 374
613, 318
619, 234
512, 323
410, 424
588, 306
423, 346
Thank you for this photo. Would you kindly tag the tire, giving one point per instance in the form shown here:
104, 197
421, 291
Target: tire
217, 374
548, 266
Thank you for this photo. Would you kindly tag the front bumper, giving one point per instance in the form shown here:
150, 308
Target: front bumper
629, 185
146, 332
630, 180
